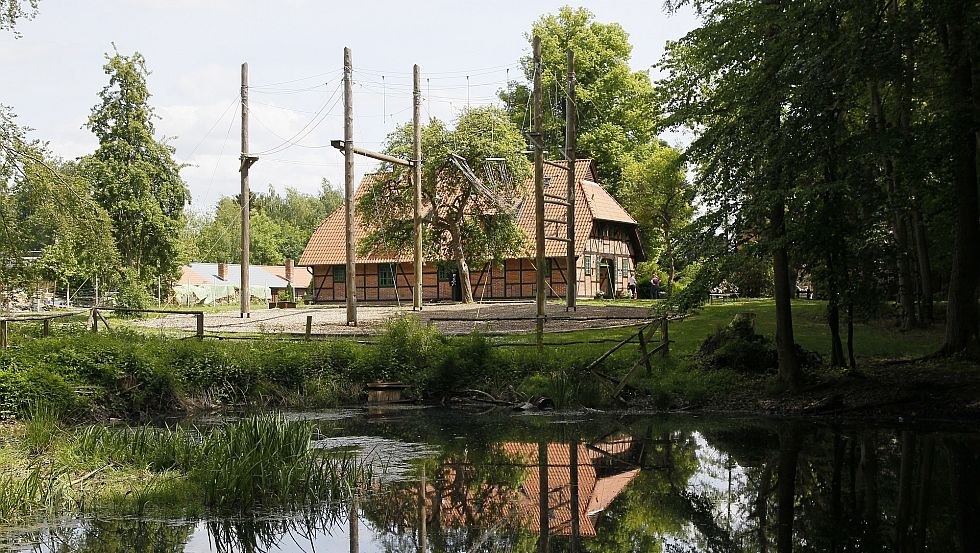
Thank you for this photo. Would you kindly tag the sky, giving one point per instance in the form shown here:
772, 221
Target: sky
194, 49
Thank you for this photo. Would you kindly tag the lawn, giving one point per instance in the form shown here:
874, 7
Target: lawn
872, 339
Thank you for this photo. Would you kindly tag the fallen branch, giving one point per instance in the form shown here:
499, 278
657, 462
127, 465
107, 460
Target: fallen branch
488, 398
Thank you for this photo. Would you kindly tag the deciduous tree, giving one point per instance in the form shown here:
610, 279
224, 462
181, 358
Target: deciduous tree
134, 174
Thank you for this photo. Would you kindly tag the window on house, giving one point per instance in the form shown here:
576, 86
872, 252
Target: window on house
386, 275
339, 273
445, 272
547, 268
588, 265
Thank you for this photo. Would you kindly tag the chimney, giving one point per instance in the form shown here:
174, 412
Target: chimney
289, 270
223, 271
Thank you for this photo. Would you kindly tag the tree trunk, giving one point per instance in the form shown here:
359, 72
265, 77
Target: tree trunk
762, 507
789, 451
789, 365
833, 317
961, 313
924, 488
869, 489
903, 519
836, 512
925, 268
852, 364
906, 296
456, 235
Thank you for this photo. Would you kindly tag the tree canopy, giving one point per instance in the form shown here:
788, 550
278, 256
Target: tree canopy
134, 175
281, 225
829, 135
615, 105
50, 225
462, 223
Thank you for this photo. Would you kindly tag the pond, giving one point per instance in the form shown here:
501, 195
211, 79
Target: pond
452, 480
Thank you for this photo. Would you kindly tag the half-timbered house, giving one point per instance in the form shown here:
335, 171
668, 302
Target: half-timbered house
607, 246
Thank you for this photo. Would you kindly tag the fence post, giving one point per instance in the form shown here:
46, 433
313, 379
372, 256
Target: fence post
200, 324
46, 328
3, 333
664, 338
95, 320
643, 350
309, 326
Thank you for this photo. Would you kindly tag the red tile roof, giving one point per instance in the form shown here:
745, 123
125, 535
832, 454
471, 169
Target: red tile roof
326, 246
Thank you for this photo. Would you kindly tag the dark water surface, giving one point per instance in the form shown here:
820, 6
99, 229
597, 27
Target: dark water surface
459, 481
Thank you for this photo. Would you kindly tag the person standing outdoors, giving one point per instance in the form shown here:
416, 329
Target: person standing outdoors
631, 286
655, 286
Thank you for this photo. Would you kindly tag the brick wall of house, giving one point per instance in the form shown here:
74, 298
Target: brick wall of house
515, 279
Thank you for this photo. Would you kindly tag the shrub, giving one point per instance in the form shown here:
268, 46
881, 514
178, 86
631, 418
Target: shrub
739, 348
35, 387
407, 351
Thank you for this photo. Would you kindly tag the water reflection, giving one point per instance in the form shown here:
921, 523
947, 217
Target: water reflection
506, 483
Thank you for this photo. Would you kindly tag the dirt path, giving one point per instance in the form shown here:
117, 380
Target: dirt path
484, 317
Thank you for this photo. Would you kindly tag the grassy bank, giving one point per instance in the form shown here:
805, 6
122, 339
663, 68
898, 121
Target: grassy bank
253, 463
130, 375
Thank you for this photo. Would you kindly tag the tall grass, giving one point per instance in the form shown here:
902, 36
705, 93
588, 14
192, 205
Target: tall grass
253, 463
36, 493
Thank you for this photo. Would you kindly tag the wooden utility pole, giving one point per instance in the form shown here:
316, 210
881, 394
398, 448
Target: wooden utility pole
576, 531
541, 294
417, 182
349, 188
423, 537
571, 269
544, 497
352, 515
246, 161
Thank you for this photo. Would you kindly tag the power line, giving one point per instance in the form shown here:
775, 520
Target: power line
296, 80
286, 144
215, 124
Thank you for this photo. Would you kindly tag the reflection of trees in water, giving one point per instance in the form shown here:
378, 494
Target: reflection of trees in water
812, 488
793, 486
253, 534
116, 536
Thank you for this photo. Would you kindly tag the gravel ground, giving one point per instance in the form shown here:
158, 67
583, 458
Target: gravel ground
332, 319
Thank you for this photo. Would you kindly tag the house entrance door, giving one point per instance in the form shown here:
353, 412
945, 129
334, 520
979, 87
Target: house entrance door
607, 284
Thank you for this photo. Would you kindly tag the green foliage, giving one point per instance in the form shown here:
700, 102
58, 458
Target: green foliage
739, 348
615, 105
133, 293
280, 226
13, 10
657, 195
407, 351
461, 223
135, 176
47, 210
41, 428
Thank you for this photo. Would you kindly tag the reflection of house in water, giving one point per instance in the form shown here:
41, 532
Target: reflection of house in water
604, 470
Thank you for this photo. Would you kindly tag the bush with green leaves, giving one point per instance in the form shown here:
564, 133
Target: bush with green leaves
407, 351
739, 348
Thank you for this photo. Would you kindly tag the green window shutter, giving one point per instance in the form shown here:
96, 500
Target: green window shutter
588, 264
386, 275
